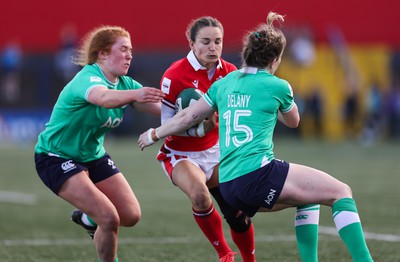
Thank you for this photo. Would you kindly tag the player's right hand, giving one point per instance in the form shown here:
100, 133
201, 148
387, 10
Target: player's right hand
145, 139
149, 95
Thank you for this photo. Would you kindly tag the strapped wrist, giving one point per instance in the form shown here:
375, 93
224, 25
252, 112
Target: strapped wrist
191, 131
199, 130
154, 135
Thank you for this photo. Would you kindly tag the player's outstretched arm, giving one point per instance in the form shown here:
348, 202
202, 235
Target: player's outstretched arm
104, 97
183, 120
151, 108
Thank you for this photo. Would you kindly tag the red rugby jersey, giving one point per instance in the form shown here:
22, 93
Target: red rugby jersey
188, 73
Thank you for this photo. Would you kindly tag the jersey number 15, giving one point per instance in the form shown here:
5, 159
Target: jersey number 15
237, 127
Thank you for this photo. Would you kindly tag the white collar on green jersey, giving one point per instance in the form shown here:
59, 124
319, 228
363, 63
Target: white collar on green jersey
249, 70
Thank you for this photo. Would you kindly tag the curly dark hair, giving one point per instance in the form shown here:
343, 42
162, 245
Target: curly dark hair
266, 43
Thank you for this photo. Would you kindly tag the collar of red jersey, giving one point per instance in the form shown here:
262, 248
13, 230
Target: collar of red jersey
195, 63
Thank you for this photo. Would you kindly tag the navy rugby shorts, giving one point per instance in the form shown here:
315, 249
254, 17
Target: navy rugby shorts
54, 171
259, 188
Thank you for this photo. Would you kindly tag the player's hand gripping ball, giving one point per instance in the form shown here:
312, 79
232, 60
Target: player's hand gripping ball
187, 97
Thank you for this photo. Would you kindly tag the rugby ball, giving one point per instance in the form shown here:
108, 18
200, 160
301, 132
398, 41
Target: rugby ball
187, 97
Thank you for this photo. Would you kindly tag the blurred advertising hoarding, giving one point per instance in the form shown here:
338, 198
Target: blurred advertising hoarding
21, 127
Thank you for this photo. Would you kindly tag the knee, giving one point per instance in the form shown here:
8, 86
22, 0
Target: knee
346, 191
200, 198
131, 219
238, 222
343, 191
108, 221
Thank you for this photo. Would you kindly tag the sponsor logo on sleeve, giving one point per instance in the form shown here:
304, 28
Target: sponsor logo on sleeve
166, 83
95, 79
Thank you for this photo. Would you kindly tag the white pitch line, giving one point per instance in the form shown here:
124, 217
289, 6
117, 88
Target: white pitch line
17, 197
368, 235
75, 242
180, 240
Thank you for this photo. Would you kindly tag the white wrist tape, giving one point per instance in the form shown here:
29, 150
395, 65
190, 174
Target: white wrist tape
191, 131
199, 131
149, 138
156, 133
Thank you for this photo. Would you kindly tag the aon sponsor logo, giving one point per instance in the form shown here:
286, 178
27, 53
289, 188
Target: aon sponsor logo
112, 123
270, 197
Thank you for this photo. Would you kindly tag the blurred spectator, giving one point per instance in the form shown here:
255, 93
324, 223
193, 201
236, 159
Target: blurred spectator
374, 116
351, 108
395, 66
314, 110
11, 58
302, 48
394, 110
352, 80
65, 69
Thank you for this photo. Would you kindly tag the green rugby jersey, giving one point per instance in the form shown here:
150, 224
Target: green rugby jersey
247, 101
77, 128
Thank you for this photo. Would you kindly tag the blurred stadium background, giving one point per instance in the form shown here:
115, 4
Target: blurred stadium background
342, 59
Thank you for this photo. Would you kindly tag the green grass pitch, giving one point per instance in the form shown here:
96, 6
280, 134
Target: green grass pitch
35, 226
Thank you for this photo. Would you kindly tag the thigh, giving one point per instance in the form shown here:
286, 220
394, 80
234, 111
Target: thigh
306, 185
102, 168
189, 178
275, 208
214, 179
206, 160
117, 189
257, 190
80, 191
169, 159
54, 171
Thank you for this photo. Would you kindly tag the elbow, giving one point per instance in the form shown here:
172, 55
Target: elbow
108, 105
294, 123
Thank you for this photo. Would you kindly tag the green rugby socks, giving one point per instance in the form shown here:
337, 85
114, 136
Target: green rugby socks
116, 260
87, 220
306, 225
348, 224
